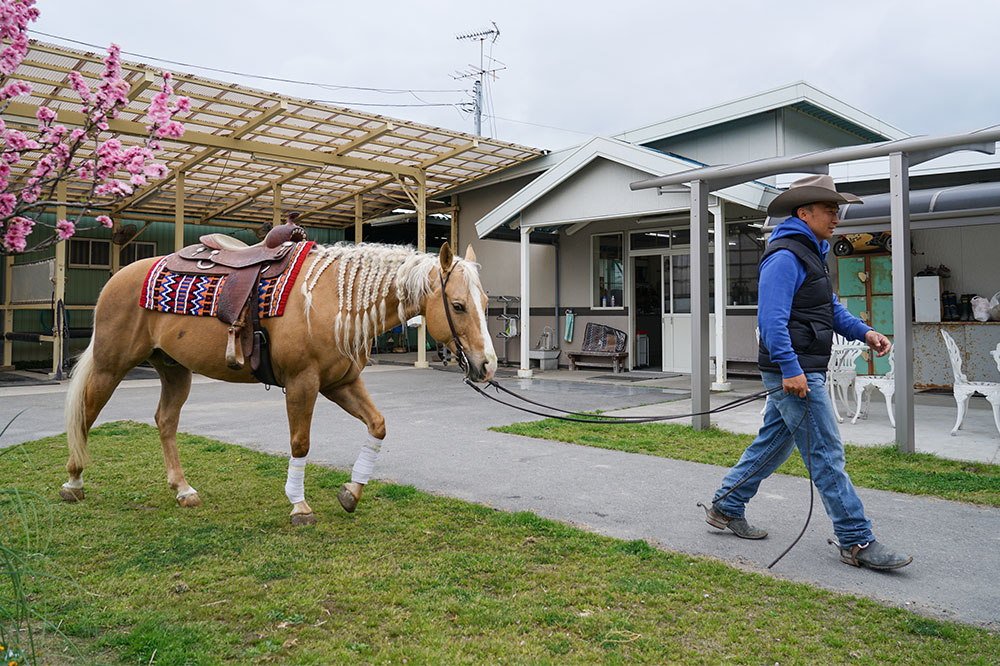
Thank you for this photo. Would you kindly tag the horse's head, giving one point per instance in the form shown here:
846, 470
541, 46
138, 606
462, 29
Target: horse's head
458, 318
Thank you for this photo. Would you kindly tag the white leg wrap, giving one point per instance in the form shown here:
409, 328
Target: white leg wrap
74, 484
365, 463
189, 491
295, 485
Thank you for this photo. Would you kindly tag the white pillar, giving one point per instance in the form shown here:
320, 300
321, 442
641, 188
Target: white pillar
721, 382
525, 332
422, 246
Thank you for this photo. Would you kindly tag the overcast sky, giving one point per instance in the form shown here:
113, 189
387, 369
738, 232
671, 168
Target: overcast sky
574, 69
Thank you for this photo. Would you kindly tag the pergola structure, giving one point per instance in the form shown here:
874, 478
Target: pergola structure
902, 154
248, 157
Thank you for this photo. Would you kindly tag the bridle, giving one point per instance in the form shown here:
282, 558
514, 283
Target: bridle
463, 359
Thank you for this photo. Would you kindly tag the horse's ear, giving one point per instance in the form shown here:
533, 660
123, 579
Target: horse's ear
447, 257
470, 254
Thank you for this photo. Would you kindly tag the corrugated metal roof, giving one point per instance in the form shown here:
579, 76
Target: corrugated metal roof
231, 128
958, 200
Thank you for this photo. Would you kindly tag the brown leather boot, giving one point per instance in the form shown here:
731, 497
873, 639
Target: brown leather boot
739, 526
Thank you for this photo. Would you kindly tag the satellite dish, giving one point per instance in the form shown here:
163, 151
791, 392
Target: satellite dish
124, 234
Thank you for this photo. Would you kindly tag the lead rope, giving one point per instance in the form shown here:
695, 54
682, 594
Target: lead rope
575, 417
746, 478
581, 417
621, 420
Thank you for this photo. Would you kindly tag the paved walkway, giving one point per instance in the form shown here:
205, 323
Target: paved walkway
439, 441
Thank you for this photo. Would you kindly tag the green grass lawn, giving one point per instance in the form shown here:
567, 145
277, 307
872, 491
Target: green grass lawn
409, 578
881, 467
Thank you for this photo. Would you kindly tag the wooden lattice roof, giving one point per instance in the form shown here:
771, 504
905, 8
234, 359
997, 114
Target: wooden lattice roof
240, 143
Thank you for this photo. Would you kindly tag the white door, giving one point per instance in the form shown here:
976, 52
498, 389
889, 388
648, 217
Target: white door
677, 312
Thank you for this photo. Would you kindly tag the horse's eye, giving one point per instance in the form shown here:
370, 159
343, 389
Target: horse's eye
458, 307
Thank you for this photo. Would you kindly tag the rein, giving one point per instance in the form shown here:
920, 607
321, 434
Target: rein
463, 360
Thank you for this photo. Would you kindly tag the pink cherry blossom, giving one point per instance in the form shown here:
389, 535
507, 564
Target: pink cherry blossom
65, 229
15, 239
7, 203
80, 86
45, 115
115, 169
15, 89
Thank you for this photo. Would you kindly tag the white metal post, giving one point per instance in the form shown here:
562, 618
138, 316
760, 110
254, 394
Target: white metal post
721, 264
422, 246
699, 304
902, 298
525, 310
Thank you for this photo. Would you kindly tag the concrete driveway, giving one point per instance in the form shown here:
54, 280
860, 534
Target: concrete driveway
439, 442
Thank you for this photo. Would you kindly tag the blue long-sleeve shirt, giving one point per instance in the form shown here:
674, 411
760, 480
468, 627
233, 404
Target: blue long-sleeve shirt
781, 275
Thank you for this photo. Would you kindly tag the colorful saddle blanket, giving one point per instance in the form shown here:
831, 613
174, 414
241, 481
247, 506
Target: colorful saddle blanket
178, 293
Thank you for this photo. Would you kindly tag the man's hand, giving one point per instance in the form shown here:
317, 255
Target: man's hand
878, 342
796, 385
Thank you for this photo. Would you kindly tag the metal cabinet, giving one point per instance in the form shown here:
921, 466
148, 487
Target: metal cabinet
864, 286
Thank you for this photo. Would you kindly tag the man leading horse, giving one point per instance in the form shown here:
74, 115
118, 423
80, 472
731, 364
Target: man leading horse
798, 314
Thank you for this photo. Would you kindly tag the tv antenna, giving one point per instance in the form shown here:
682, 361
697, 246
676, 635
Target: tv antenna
478, 73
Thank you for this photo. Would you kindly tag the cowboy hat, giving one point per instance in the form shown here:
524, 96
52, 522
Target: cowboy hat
811, 189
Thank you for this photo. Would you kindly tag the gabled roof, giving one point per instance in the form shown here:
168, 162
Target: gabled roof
753, 195
800, 96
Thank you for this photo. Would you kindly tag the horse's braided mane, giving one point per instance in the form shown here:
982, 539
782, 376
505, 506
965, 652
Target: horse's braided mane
366, 274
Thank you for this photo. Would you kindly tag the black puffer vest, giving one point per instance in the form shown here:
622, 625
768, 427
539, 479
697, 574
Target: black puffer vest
810, 324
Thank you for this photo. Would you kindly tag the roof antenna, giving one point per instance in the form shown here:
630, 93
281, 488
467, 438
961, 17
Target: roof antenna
477, 87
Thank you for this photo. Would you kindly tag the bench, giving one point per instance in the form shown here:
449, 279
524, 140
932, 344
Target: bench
603, 347
244, 266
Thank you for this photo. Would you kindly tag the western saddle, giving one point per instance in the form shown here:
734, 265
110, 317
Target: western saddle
244, 266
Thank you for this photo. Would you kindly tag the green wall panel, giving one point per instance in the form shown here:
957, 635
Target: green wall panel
848, 282
881, 274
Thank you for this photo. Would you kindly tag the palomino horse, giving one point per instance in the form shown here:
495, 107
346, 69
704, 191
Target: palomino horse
342, 298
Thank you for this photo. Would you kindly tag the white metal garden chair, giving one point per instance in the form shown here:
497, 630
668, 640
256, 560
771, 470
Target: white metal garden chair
964, 389
841, 371
885, 384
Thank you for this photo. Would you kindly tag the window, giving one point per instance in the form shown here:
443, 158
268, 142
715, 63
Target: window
135, 251
745, 245
89, 253
96, 252
608, 271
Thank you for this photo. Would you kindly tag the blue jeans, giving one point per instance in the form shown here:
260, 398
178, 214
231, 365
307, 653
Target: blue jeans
783, 414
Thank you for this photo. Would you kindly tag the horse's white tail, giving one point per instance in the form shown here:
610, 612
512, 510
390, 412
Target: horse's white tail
76, 415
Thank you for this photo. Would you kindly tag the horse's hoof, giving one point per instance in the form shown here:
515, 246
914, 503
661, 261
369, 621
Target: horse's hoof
347, 499
300, 519
71, 494
189, 501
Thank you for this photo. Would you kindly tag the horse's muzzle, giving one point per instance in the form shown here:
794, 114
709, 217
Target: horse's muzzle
480, 369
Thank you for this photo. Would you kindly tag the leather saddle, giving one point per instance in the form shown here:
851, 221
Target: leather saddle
238, 303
